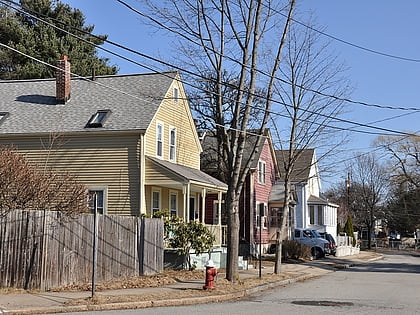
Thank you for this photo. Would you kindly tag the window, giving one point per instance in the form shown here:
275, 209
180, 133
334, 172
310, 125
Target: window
155, 201
261, 216
176, 95
311, 214
96, 200
159, 140
320, 216
172, 144
3, 116
261, 172
276, 214
97, 120
216, 212
173, 203
307, 233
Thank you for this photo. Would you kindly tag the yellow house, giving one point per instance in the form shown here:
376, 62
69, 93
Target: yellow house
131, 139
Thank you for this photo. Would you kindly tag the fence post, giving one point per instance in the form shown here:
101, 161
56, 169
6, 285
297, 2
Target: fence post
44, 251
95, 246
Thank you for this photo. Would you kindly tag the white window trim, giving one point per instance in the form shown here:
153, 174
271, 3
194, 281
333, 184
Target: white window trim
3, 116
105, 193
158, 190
159, 123
264, 217
172, 128
262, 180
172, 193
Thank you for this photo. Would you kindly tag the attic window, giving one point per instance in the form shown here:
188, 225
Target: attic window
97, 120
176, 97
3, 116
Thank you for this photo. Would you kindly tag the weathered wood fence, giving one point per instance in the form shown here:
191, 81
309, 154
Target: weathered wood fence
42, 250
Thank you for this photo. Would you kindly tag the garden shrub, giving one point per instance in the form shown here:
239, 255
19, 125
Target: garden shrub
294, 250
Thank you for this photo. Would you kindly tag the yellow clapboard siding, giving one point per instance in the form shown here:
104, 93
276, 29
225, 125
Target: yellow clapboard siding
178, 115
106, 161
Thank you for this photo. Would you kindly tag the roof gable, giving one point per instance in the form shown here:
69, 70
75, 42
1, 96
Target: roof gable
132, 100
209, 144
303, 164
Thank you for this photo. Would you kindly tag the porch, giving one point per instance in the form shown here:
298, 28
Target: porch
187, 193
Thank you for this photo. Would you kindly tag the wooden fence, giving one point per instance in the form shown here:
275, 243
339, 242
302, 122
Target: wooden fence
42, 250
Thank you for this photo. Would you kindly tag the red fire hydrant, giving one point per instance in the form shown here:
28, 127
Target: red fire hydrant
211, 273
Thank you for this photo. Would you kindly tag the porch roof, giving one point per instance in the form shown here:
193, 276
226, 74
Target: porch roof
320, 201
184, 175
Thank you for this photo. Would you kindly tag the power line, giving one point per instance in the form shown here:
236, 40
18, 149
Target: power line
262, 72
167, 64
377, 52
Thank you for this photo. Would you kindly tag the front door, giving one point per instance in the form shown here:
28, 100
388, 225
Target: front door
193, 210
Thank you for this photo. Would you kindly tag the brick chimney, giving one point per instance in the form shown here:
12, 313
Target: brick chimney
63, 80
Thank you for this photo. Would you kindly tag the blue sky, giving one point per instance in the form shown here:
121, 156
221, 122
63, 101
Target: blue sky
387, 26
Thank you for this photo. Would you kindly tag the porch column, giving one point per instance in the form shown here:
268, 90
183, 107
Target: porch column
184, 202
203, 205
186, 194
219, 211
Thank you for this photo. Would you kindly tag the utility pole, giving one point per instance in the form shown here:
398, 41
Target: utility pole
348, 191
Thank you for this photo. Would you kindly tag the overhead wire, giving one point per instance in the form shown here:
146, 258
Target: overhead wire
120, 91
89, 80
184, 70
377, 52
348, 100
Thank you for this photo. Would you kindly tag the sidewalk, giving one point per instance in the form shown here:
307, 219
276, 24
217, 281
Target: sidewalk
180, 293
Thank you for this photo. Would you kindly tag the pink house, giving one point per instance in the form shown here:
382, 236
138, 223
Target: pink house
254, 200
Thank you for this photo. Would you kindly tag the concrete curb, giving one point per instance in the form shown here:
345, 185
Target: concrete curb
176, 302
159, 303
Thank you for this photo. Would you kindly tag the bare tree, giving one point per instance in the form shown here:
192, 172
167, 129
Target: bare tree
311, 92
369, 191
244, 37
404, 168
24, 186
404, 153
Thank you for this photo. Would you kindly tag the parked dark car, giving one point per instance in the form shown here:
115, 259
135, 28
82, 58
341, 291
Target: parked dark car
331, 240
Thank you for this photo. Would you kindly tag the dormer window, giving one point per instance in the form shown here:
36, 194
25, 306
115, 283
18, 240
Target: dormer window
98, 119
3, 116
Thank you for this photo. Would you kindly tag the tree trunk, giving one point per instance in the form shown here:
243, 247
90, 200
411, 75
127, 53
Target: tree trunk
232, 241
283, 228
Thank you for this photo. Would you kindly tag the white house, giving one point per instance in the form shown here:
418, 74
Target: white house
312, 210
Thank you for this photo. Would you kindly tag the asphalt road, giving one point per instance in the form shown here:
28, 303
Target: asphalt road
388, 286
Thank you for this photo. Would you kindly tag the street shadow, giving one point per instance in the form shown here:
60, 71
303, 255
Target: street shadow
352, 264
384, 267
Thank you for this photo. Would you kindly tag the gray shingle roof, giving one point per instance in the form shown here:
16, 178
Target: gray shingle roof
132, 99
317, 200
209, 145
302, 165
